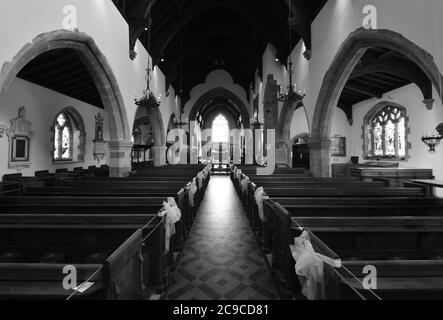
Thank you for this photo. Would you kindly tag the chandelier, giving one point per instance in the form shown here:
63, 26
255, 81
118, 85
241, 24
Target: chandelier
293, 96
431, 141
148, 100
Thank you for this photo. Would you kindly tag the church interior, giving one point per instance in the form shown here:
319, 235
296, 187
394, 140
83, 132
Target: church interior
221, 150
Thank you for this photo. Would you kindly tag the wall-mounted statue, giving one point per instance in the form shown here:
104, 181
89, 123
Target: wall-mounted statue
19, 136
99, 127
99, 149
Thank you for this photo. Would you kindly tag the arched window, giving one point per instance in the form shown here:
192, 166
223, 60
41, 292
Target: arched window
386, 132
63, 138
220, 129
68, 136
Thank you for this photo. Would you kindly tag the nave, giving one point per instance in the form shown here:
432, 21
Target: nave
120, 121
222, 259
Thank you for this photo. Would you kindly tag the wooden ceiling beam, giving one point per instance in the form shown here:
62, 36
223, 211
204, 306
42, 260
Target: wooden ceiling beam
66, 79
366, 90
74, 68
50, 64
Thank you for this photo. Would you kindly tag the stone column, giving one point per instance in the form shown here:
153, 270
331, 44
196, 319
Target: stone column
159, 156
270, 108
119, 158
320, 158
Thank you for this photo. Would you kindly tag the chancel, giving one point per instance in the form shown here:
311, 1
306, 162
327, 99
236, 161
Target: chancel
221, 150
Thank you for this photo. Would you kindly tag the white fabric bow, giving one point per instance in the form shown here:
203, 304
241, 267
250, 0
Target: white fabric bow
260, 197
309, 266
244, 184
173, 215
200, 179
192, 191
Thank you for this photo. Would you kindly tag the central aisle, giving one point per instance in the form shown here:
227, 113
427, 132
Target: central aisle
221, 258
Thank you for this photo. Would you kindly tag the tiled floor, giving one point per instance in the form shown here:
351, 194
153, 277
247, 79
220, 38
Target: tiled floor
221, 258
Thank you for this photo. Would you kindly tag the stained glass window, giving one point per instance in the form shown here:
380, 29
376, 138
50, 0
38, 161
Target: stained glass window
63, 138
388, 133
220, 129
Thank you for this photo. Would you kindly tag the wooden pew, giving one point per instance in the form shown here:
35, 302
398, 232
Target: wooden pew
279, 218
397, 279
117, 190
21, 180
48, 178
43, 252
410, 277
96, 211
9, 188
378, 238
310, 191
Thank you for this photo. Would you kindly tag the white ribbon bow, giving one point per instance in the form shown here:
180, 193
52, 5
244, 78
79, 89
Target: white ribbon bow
173, 215
192, 191
200, 179
244, 184
260, 197
309, 266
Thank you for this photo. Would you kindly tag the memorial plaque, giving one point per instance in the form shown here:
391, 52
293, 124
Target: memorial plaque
281, 155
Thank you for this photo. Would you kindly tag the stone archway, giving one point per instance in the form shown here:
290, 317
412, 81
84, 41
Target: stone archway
285, 120
223, 93
104, 79
284, 124
337, 75
304, 135
154, 116
171, 124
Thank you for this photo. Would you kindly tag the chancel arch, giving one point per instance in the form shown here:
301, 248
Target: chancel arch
345, 62
220, 96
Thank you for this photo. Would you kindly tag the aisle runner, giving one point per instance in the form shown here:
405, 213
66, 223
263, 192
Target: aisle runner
221, 259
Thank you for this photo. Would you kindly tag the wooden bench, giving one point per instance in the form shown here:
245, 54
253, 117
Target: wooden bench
110, 258
25, 210
397, 279
275, 236
309, 191
156, 269
9, 188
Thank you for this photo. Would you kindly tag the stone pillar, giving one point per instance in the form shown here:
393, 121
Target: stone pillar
270, 103
120, 158
159, 156
270, 107
320, 158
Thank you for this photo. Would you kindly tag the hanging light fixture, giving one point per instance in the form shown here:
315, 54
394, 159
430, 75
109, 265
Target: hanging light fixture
181, 121
431, 141
292, 96
148, 100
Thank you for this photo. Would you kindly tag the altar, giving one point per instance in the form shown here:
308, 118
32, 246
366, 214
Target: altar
395, 176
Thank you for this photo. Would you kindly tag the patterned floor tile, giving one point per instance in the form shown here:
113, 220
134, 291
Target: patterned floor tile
221, 259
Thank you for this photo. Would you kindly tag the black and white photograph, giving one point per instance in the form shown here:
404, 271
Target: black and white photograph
221, 158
